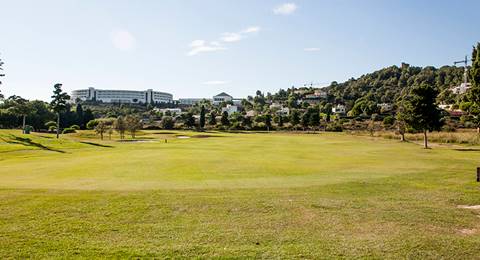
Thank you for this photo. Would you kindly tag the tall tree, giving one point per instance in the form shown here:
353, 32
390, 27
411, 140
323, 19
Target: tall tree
202, 117
295, 118
21, 108
212, 119
79, 112
224, 120
420, 111
1, 75
59, 103
120, 126
268, 121
133, 124
474, 93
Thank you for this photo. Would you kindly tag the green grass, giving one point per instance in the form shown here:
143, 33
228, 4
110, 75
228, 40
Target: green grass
239, 195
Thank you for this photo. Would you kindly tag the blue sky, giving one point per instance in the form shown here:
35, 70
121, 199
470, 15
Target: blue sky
202, 47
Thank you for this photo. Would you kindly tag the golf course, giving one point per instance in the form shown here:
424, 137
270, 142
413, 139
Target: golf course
183, 194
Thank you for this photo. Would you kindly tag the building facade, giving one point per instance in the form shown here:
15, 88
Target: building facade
121, 96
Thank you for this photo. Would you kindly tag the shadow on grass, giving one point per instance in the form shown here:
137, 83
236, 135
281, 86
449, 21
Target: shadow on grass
13, 139
468, 149
95, 144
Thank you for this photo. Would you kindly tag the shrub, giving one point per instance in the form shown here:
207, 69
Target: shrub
388, 121
167, 123
52, 128
49, 124
76, 127
92, 124
334, 128
68, 130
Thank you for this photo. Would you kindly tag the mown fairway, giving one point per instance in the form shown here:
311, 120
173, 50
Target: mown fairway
235, 195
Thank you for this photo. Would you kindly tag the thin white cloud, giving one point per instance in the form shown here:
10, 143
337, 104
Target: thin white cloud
285, 9
199, 46
215, 82
253, 29
312, 49
231, 37
123, 40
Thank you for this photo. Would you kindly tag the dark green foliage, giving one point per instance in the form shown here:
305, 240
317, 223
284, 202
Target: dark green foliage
212, 120
68, 130
188, 120
419, 109
294, 117
92, 124
167, 122
224, 120
202, 117
388, 121
474, 93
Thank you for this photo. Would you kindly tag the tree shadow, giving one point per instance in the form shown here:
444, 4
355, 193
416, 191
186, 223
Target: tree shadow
95, 144
13, 139
467, 149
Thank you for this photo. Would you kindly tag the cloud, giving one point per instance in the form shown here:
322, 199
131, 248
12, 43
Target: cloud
253, 29
215, 82
285, 9
199, 46
312, 49
231, 37
123, 40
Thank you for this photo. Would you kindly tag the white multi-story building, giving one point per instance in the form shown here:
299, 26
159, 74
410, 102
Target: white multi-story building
121, 96
339, 109
191, 101
222, 97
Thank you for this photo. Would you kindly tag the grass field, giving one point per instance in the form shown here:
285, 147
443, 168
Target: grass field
238, 195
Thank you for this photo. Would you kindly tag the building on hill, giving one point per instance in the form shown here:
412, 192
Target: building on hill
339, 109
190, 101
222, 97
230, 109
461, 89
121, 96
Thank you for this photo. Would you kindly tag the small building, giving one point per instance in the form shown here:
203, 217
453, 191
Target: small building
339, 109
230, 109
172, 111
222, 97
462, 89
385, 107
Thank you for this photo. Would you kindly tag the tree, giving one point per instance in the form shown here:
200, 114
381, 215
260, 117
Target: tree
101, 128
133, 124
202, 117
305, 120
295, 118
1, 75
120, 126
224, 120
167, 122
20, 107
474, 93
268, 121
420, 111
314, 119
59, 103
189, 120
212, 119
79, 112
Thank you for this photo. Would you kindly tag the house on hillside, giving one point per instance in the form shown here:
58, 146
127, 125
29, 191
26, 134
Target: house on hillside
222, 97
339, 109
230, 109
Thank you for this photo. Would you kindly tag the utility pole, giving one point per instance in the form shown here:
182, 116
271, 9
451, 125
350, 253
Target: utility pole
465, 74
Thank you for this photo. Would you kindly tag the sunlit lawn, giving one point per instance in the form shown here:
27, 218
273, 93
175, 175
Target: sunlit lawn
263, 195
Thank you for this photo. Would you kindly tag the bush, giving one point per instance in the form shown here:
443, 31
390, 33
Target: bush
76, 127
52, 128
388, 121
334, 128
167, 123
49, 124
68, 130
92, 124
